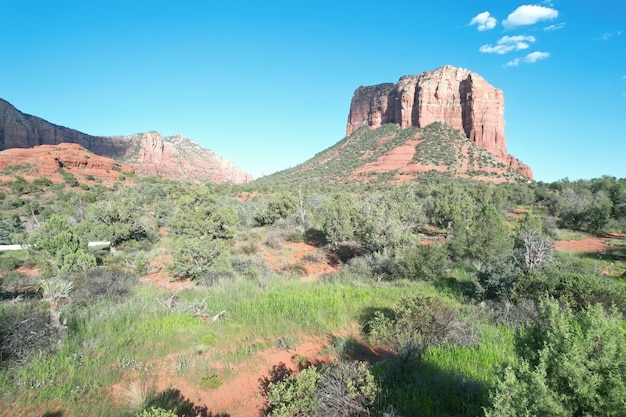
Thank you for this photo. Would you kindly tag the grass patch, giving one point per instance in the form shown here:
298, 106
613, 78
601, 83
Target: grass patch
567, 234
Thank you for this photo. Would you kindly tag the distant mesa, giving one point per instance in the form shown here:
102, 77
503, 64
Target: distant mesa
144, 153
448, 121
455, 96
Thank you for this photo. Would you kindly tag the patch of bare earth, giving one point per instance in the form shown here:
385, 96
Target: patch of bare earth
239, 390
158, 275
397, 158
298, 257
590, 244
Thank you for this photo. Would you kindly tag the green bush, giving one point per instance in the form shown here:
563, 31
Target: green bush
424, 263
195, 257
570, 364
570, 280
346, 389
343, 389
496, 279
58, 249
417, 323
290, 395
156, 412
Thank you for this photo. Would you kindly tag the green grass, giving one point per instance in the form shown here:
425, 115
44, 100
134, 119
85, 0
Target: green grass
111, 343
567, 234
448, 380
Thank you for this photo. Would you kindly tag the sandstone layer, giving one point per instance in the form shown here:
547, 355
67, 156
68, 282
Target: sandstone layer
455, 96
174, 157
49, 161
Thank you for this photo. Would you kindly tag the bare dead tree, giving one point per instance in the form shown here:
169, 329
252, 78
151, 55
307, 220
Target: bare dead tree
538, 249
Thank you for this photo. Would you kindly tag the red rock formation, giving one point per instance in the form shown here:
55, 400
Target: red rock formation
146, 152
456, 96
48, 160
180, 157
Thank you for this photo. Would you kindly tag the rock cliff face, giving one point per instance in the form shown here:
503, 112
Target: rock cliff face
455, 96
174, 157
180, 157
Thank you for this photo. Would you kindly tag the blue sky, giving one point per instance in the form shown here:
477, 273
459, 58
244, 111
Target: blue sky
268, 84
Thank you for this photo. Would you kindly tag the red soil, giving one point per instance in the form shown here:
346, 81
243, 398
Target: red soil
295, 253
590, 244
239, 390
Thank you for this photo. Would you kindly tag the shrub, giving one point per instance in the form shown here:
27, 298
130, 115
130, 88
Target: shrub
101, 283
292, 395
274, 240
342, 389
24, 332
216, 275
418, 322
195, 257
569, 280
571, 364
314, 257
495, 280
425, 263
249, 248
156, 412
346, 389
58, 249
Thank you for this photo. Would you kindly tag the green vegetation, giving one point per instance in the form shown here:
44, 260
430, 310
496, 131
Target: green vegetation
437, 146
570, 364
441, 297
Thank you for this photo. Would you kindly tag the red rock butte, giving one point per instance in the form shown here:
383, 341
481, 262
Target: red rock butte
455, 96
145, 153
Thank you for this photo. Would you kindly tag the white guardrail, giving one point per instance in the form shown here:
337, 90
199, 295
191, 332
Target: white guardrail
20, 247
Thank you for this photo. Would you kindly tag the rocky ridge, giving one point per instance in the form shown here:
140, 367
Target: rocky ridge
457, 97
146, 153
52, 161
180, 157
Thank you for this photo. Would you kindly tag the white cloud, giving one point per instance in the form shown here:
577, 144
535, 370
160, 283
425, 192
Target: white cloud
531, 58
608, 35
507, 44
484, 21
529, 14
554, 27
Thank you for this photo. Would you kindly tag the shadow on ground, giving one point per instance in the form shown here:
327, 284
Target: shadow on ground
173, 400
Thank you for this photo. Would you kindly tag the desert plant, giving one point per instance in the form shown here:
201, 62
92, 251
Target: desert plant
343, 389
417, 323
346, 389
101, 283
25, 331
156, 412
292, 395
58, 249
194, 257
571, 364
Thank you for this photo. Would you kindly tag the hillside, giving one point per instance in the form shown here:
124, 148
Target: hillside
174, 157
390, 154
59, 163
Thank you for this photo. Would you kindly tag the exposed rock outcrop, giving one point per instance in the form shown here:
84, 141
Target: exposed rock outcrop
455, 96
48, 161
180, 157
174, 157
